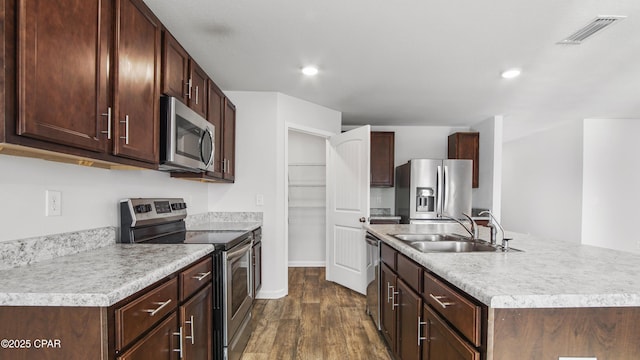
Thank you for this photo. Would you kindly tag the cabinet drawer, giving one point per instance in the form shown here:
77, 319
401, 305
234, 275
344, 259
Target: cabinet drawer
142, 313
161, 343
388, 255
455, 308
410, 272
442, 342
195, 277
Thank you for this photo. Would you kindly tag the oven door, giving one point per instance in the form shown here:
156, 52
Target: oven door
238, 296
187, 139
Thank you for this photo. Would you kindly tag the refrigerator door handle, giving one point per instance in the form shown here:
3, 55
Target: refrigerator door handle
445, 198
439, 186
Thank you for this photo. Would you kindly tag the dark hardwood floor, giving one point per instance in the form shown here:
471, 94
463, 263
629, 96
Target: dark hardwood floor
317, 320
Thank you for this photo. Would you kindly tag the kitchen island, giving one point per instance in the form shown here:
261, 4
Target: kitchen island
552, 299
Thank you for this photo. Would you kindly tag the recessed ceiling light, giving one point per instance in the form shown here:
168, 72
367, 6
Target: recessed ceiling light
511, 73
310, 70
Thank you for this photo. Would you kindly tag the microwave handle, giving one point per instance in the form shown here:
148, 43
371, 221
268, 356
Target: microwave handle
213, 148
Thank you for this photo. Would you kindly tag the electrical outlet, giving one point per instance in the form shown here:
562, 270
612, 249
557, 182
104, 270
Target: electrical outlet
260, 200
53, 203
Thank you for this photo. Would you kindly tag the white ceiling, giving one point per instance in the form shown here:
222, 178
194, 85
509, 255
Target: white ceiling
421, 62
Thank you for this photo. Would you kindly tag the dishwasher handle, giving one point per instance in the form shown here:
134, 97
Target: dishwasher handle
372, 240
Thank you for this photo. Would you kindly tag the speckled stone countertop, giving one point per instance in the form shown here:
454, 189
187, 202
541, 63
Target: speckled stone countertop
547, 274
99, 277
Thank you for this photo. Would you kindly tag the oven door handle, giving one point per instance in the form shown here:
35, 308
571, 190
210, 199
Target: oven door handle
239, 252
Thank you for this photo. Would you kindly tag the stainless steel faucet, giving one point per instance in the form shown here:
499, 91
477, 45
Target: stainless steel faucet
494, 225
474, 227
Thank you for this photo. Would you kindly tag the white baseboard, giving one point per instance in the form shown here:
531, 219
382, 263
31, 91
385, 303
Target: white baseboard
307, 263
273, 294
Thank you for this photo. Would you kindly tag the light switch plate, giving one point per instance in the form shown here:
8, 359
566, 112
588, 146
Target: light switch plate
53, 203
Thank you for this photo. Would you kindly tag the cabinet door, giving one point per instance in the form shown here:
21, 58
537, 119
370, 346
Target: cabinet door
215, 114
442, 342
63, 85
197, 326
388, 300
409, 322
466, 145
229, 141
137, 89
382, 158
257, 268
162, 343
198, 90
175, 68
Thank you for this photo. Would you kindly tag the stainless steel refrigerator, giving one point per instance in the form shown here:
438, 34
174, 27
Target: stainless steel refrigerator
426, 188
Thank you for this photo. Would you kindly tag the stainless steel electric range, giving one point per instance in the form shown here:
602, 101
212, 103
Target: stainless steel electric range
161, 221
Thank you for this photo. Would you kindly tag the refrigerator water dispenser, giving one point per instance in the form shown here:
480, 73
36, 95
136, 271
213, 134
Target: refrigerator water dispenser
425, 199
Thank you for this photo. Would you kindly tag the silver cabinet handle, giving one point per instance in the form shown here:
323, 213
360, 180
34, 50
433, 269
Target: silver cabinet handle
179, 335
189, 89
201, 276
192, 337
196, 95
444, 304
126, 129
389, 287
393, 299
152, 312
420, 337
108, 115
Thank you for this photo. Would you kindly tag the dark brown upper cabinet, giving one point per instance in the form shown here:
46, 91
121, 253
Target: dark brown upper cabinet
466, 145
198, 89
182, 77
80, 81
229, 141
137, 83
215, 104
63, 84
175, 68
382, 158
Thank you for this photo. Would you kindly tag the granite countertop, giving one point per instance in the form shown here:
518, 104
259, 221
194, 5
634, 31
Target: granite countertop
547, 274
99, 277
225, 225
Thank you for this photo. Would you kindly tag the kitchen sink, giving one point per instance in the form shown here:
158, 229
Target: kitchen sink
430, 237
451, 243
452, 246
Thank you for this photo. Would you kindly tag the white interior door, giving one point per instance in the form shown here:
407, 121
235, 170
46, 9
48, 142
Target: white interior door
348, 177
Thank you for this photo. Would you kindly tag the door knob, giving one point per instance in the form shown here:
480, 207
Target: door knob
362, 219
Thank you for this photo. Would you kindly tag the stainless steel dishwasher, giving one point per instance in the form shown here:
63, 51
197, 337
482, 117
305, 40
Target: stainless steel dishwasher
373, 278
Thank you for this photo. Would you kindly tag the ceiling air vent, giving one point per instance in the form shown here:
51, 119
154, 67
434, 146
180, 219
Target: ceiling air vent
596, 25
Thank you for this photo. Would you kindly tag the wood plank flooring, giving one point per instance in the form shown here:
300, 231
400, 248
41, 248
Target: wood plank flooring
317, 320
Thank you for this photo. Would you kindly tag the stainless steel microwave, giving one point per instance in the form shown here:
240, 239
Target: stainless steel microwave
186, 138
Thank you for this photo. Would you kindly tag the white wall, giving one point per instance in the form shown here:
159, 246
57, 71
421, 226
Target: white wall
610, 195
542, 183
261, 121
489, 191
89, 195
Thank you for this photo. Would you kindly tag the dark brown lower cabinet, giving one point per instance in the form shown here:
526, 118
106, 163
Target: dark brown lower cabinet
442, 341
388, 298
163, 343
196, 323
409, 322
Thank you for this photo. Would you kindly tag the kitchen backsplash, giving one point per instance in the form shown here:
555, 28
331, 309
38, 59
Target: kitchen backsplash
22, 252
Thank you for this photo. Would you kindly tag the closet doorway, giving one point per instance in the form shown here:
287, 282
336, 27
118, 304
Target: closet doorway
307, 194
